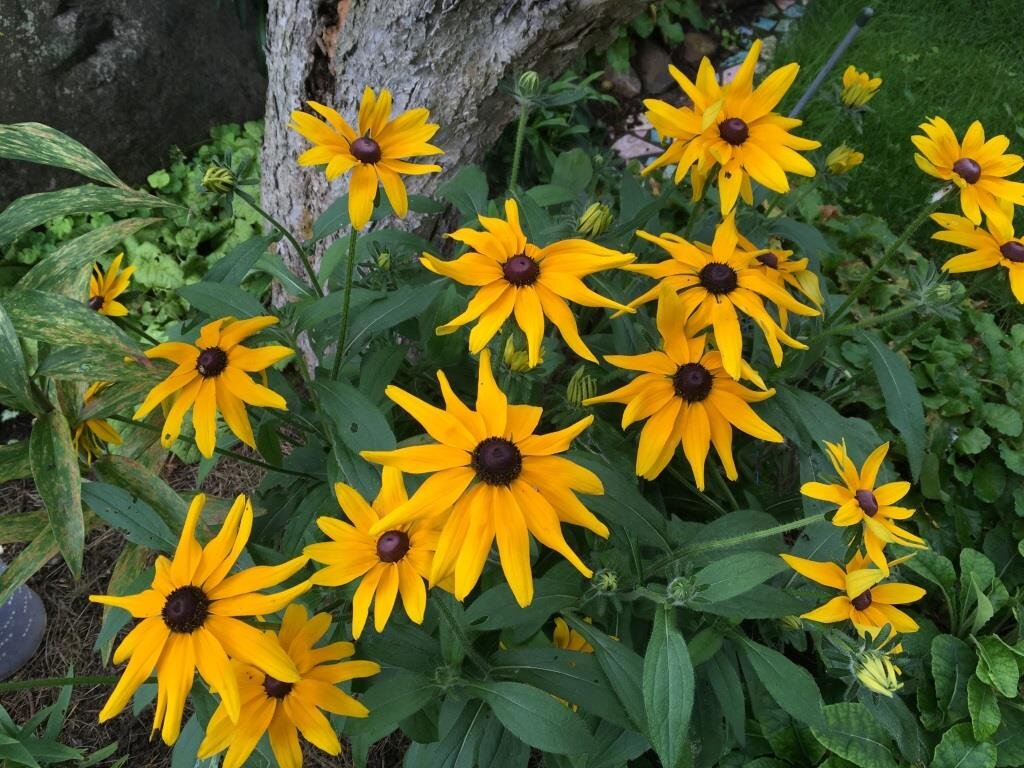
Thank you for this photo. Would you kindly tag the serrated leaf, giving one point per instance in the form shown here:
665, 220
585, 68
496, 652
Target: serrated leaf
984, 709
55, 472
852, 733
536, 718
736, 574
668, 688
958, 749
997, 666
953, 663
792, 686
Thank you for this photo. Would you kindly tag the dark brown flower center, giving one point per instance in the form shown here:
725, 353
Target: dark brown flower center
186, 609
718, 278
392, 546
497, 461
769, 260
734, 131
1013, 251
521, 270
211, 362
95, 303
867, 502
863, 600
365, 150
276, 689
967, 169
692, 382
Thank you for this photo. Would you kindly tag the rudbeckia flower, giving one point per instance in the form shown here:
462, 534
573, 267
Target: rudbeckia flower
190, 621
490, 478
995, 245
867, 604
687, 397
714, 281
516, 276
282, 709
378, 154
977, 167
777, 266
843, 159
91, 436
861, 501
858, 87
212, 375
104, 288
387, 564
733, 126
568, 639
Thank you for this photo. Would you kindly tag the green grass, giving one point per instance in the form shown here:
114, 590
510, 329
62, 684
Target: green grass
960, 59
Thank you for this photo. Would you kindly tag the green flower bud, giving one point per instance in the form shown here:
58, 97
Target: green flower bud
218, 180
581, 386
595, 220
605, 581
384, 260
681, 590
518, 360
876, 672
529, 84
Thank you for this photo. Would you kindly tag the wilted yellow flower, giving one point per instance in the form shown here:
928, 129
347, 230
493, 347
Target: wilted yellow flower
843, 159
93, 435
858, 87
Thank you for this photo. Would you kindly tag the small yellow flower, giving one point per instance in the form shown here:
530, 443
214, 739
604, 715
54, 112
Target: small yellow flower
843, 159
867, 604
858, 87
569, 639
994, 246
91, 436
283, 710
877, 672
378, 155
105, 288
778, 266
861, 502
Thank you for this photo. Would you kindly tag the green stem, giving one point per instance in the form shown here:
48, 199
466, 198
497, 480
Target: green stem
456, 629
58, 682
710, 546
310, 273
350, 269
870, 322
517, 154
891, 251
723, 486
681, 479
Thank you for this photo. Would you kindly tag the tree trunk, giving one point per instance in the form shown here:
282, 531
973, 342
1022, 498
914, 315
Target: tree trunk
450, 56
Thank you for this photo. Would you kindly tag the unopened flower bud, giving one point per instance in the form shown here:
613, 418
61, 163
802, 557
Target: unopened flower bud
681, 590
529, 84
384, 260
581, 386
218, 180
595, 220
791, 623
843, 159
877, 673
517, 360
605, 581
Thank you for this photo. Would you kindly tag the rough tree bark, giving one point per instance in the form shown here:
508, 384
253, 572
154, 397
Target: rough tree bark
450, 56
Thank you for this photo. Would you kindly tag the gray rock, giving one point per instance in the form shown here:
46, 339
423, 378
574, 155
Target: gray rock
22, 625
652, 64
697, 45
623, 84
127, 78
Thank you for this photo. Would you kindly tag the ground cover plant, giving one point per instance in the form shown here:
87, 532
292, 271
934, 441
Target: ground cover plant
636, 466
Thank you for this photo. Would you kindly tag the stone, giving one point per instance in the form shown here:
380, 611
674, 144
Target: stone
697, 45
128, 79
625, 85
22, 625
652, 63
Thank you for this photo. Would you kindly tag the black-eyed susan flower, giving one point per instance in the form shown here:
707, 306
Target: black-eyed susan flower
516, 277
868, 605
732, 126
858, 87
568, 639
992, 246
105, 287
862, 501
213, 375
388, 564
377, 155
92, 436
491, 478
977, 167
190, 621
716, 280
283, 710
777, 265
843, 159
686, 397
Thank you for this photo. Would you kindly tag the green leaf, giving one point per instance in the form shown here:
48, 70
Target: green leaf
14, 461
467, 191
572, 171
1003, 418
397, 307
497, 608
997, 665
792, 686
356, 425
392, 697
128, 513
953, 663
147, 486
668, 688
536, 717
55, 471
935, 568
38, 553
736, 574
38, 143
32, 210
13, 373
13, 750
958, 749
984, 709
219, 299
61, 322
902, 400
852, 733
232, 269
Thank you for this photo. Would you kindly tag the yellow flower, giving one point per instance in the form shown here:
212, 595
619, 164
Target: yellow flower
189, 621
858, 87
516, 276
212, 375
995, 245
285, 709
377, 154
490, 478
977, 167
388, 564
867, 604
105, 288
686, 397
843, 159
777, 266
714, 281
569, 639
91, 436
877, 672
732, 126
517, 360
860, 501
